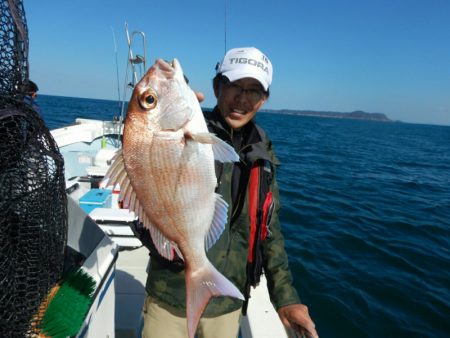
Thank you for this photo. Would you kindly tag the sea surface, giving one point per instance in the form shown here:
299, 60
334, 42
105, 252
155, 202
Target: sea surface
366, 217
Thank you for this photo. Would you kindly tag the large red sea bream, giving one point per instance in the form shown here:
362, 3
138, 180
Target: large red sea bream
166, 171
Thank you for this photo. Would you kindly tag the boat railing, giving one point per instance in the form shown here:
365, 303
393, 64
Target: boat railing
136, 67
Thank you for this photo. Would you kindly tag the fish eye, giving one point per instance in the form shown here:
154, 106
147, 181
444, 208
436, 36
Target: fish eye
148, 100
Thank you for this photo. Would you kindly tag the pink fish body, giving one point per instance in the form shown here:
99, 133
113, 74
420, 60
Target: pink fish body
166, 171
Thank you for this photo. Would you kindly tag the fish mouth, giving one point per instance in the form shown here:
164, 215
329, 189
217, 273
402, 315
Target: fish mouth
162, 69
164, 65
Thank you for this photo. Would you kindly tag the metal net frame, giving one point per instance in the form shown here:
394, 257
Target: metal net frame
33, 202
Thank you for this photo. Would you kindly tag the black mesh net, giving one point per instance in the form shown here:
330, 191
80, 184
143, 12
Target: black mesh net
13, 48
33, 205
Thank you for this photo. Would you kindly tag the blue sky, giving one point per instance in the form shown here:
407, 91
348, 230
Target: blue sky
387, 56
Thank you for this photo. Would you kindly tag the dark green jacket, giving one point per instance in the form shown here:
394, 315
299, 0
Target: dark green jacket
165, 281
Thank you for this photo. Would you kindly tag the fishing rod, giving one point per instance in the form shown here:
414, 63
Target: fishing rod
225, 25
115, 118
117, 64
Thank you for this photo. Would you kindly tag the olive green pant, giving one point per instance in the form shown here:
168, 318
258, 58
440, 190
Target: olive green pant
163, 321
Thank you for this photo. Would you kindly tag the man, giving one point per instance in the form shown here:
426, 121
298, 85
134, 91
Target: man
30, 91
241, 86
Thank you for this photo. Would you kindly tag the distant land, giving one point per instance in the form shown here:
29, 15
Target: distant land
356, 115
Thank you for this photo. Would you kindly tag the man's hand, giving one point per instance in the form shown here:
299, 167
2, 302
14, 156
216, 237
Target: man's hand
296, 317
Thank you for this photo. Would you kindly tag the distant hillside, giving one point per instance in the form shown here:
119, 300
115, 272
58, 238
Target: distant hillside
357, 115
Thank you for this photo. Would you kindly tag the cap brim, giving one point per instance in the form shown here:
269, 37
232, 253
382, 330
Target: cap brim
236, 75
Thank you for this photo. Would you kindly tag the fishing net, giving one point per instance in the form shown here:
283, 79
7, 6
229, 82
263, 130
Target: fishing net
33, 205
13, 48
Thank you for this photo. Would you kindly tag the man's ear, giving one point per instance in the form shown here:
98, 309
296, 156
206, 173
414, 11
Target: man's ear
216, 87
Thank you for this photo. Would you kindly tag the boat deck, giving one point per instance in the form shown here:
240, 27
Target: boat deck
130, 291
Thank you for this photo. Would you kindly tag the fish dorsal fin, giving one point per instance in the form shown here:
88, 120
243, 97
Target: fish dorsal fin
165, 247
218, 222
223, 152
116, 172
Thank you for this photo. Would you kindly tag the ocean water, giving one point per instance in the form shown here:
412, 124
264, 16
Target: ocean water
366, 217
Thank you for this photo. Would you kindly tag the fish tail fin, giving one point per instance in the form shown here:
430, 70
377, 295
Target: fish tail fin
200, 287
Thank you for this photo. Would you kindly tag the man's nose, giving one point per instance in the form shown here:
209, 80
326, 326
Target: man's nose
242, 95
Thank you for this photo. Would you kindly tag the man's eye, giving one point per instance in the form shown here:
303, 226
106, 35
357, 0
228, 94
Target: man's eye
235, 87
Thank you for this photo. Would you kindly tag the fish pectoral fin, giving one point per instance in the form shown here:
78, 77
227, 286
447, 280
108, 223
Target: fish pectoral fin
166, 248
206, 138
223, 152
201, 285
218, 222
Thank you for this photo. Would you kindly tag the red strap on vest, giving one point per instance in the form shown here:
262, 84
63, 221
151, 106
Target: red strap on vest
260, 208
254, 207
266, 207
253, 196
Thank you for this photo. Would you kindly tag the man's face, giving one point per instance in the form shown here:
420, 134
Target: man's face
239, 101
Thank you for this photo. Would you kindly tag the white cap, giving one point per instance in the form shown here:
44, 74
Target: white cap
246, 62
